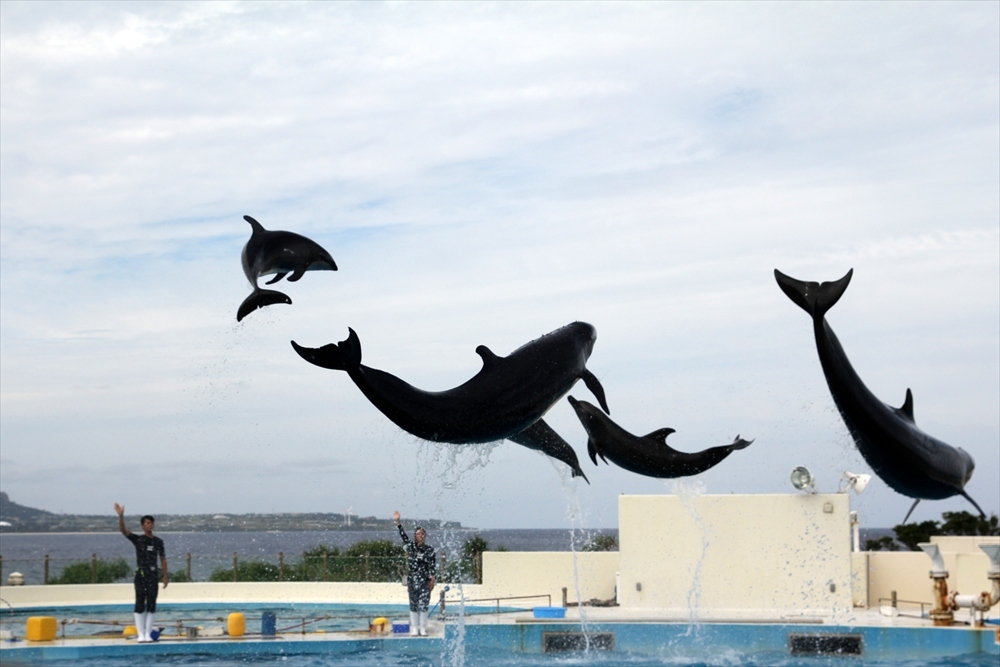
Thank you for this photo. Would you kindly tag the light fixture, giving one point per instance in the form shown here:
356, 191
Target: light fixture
803, 480
853, 480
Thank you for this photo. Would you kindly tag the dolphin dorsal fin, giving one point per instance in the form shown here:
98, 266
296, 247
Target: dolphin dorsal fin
257, 227
489, 359
660, 435
907, 409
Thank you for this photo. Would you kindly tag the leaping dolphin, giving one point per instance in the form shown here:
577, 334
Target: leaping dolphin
910, 461
279, 253
504, 400
649, 455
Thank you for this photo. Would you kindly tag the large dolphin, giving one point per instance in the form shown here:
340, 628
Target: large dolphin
503, 400
279, 253
649, 455
911, 462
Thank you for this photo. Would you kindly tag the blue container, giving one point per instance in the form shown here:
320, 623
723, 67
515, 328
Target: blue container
549, 612
400, 628
268, 624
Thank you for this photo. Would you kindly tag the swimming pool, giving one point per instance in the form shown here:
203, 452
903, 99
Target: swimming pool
485, 638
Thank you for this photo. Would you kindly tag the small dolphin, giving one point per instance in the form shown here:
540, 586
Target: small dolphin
649, 455
279, 253
904, 457
508, 396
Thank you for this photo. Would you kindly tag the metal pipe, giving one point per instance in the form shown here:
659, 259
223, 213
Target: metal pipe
941, 614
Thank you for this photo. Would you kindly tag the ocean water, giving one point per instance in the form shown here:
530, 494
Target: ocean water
25, 552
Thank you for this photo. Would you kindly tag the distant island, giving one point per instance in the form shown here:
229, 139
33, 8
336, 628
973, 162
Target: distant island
15, 518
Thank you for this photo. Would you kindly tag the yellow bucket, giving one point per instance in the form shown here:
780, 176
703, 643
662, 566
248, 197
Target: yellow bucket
41, 628
236, 625
130, 631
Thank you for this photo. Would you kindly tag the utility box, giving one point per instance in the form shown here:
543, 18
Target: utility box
41, 628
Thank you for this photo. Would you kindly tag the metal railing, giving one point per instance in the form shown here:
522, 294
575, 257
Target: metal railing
248, 567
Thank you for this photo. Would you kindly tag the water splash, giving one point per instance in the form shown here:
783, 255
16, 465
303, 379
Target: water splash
688, 491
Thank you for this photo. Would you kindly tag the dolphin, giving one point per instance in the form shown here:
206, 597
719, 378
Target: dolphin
504, 400
910, 461
649, 455
279, 253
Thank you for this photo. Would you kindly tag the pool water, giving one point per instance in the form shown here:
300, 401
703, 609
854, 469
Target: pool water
471, 657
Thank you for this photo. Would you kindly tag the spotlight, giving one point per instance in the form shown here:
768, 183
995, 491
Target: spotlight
856, 481
803, 480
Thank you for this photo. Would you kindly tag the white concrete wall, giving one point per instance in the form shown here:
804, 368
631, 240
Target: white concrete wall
711, 555
547, 572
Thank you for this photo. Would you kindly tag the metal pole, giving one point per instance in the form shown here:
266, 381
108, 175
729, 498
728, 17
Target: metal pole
93, 568
189, 566
46, 579
324, 564
236, 563
281, 566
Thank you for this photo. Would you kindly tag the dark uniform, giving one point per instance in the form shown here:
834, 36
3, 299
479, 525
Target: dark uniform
148, 552
423, 566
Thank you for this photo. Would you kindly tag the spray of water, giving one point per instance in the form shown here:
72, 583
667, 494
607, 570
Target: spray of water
688, 491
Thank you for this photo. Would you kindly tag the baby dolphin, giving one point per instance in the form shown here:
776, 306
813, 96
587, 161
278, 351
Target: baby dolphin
279, 253
910, 461
506, 399
649, 455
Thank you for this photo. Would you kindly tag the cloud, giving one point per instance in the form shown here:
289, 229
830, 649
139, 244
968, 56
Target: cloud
484, 174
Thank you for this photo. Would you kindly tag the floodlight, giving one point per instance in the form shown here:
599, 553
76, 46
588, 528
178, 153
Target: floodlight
803, 480
856, 481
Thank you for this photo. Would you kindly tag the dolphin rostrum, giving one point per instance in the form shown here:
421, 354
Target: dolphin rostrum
649, 455
279, 253
911, 462
505, 399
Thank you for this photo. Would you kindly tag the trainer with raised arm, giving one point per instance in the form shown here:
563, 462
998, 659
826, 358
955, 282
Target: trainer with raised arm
423, 571
147, 572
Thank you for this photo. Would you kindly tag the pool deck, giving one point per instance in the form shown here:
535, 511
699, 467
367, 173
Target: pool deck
866, 632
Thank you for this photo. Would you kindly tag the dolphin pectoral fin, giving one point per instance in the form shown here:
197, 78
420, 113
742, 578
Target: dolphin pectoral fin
488, 357
913, 507
299, 271
594, 385
812, 297
276, 278
259, 299
982, 514
328, 356
540, 437
906, 411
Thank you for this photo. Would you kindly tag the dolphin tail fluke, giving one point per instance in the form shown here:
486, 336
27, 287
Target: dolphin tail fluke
814, 298
259, 299
982, 514
740, 443
334, 356
594, 385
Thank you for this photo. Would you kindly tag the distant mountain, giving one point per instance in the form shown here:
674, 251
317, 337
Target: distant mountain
15, 514
23, 519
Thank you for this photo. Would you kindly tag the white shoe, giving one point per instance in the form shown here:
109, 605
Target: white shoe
423, 632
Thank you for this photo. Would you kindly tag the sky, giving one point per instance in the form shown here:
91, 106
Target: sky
484, 174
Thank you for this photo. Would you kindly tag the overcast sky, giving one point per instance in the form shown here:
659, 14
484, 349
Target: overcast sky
484, 174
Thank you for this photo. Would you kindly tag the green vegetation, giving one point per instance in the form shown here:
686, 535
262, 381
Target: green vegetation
367, 560
955, 523
96, 571
468, 569
602, 543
